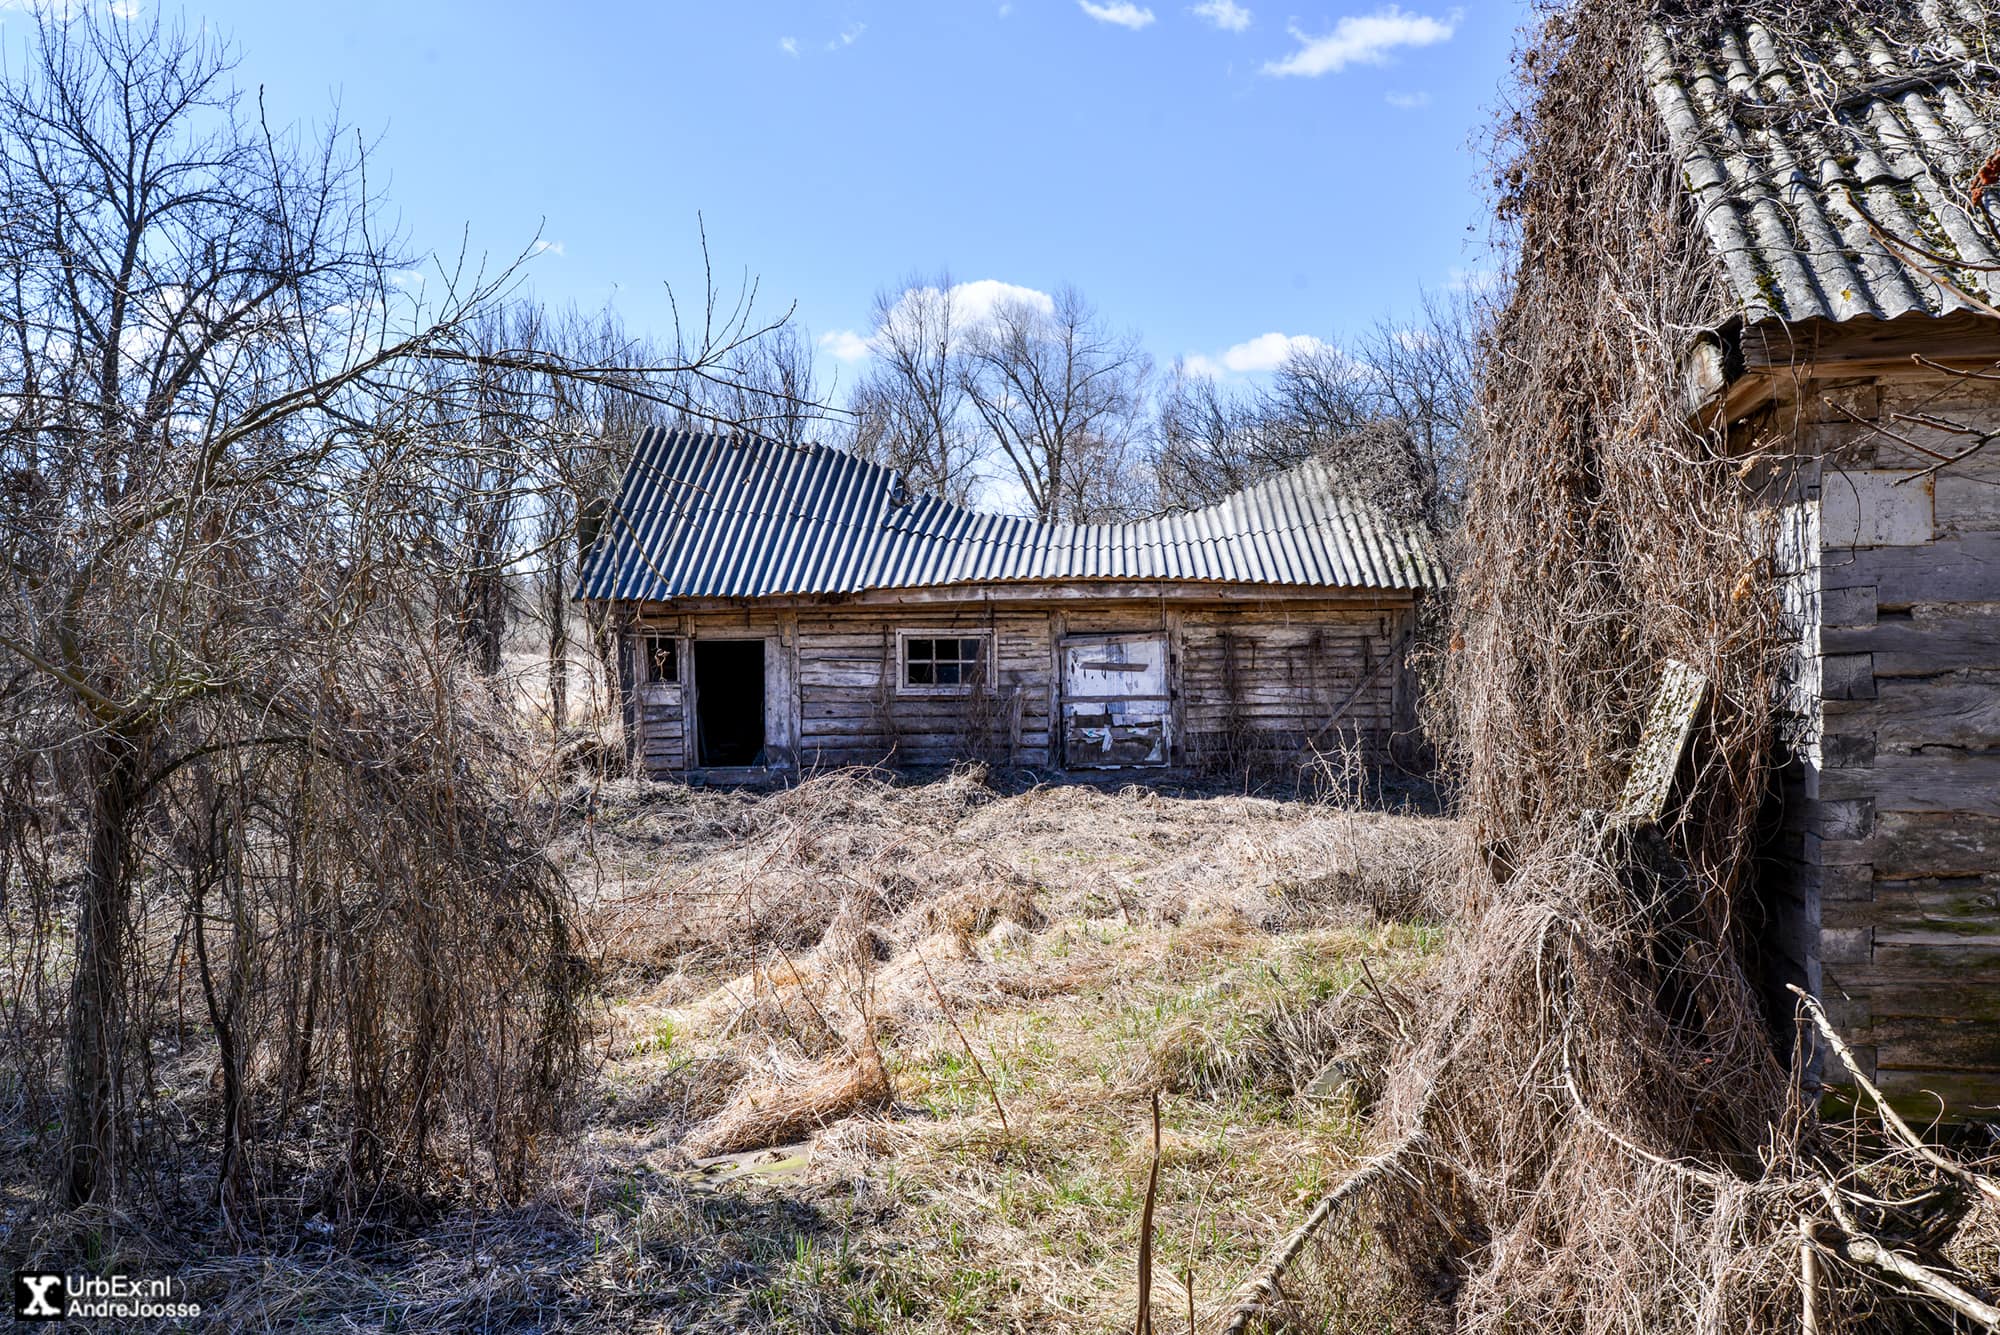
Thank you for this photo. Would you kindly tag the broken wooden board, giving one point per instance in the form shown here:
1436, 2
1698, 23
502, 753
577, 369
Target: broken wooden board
1677, 702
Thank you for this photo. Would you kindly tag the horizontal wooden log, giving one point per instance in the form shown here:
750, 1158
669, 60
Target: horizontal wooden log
1908, 844
1963, 568
1948, 640
1937, 780
1959, 710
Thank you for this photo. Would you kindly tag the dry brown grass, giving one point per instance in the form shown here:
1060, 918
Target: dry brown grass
946, 1005
1029, 966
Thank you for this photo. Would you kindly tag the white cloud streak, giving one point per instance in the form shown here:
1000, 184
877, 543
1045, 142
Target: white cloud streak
1123, 13
1224, 14
844, 345
973, 305
790, 46
1362, 40
1407, 101
1266, 352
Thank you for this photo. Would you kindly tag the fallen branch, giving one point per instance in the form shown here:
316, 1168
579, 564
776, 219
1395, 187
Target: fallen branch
1865, 1250
1264, 1286
1980, 1183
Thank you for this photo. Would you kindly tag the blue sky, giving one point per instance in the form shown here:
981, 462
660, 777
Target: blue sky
1205, 173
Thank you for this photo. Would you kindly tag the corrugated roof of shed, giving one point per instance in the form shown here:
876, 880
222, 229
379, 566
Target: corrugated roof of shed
706, 515
1801, 162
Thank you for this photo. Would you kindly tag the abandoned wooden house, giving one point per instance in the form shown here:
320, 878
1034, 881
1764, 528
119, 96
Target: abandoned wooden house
789, 608
1842, 204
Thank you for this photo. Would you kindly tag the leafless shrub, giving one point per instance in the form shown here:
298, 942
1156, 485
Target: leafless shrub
274, 868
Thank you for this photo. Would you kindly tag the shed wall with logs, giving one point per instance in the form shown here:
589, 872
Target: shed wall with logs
1252, 683
1885, 892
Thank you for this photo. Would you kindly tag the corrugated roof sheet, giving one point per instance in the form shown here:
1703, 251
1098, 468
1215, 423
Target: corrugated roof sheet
1804, 153
703, 515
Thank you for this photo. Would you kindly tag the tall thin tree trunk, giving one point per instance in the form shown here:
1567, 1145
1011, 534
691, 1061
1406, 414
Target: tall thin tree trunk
558, 613
96, 1132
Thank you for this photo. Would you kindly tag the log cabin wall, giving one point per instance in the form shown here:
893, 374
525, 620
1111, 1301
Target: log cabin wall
1253, 682
1893, 799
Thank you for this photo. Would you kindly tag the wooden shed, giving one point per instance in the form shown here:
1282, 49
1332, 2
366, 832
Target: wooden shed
784, 608
1841, 205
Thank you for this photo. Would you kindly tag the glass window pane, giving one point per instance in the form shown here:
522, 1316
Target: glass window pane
969, 650
919, 674
947, 674
922, 651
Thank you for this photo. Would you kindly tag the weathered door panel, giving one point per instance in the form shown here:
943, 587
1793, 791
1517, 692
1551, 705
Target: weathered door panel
1117, 705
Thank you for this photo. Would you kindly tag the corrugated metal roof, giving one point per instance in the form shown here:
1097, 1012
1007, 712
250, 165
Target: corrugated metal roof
1804, 153
703, 515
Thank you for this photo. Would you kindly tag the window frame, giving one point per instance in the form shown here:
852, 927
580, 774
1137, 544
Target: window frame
963, 688
646, 641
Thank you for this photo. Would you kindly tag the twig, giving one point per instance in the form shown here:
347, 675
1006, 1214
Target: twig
1144, 1324
1856, 1246
1808, 1279
977, 1065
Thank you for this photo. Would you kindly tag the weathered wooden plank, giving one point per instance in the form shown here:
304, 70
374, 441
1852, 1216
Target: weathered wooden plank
1923, 1094
1966, 501
1928, 912
1912, 712
1910, 844
1940, 780
1961, 568
1931, 641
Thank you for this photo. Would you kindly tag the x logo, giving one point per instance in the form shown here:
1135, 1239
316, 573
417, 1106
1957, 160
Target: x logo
36, 1304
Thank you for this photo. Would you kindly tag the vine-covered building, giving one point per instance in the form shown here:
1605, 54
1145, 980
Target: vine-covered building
1845, 200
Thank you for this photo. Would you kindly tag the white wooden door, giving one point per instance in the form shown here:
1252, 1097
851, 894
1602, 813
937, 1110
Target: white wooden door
1117, 704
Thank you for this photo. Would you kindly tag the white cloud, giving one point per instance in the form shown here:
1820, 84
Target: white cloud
1006, 9
790, 46
1472, 280
848, 37
1224, 14
1407, 101
845, 345
1121, 12
976, 303
973, 305
1363, 40
555, 248
1266, 352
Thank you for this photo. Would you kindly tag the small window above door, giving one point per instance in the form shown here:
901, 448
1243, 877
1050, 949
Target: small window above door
933, 664
659, 660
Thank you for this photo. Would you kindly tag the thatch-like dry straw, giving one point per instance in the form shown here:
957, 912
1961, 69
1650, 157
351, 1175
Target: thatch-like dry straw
776, 1112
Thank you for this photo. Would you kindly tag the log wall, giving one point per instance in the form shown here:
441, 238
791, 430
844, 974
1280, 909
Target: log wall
1893, 814
1254, 682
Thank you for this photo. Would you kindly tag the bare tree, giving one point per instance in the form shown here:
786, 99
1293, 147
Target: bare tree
1397, 416
910, 407
1062, 399
775, 390
235, 658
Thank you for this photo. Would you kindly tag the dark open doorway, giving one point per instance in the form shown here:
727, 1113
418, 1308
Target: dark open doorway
729, 703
